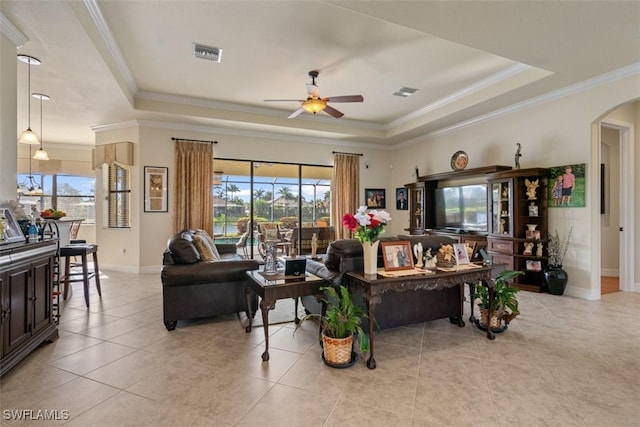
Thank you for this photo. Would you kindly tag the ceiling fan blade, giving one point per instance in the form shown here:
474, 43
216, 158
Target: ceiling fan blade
296, 113
313, 90
346, 98
283, 100
333, 112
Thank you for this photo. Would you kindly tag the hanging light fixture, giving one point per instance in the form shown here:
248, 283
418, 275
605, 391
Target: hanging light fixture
29, 136
40, 154
29, 186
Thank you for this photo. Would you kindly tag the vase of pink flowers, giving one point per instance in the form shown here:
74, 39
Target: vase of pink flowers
366, 227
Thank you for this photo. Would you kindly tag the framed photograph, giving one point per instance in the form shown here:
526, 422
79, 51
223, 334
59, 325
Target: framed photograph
375, 198
11, 229
402, 201
534, 265
476, 255
155, 189
460, 251
397, 256
533, 210
567, 186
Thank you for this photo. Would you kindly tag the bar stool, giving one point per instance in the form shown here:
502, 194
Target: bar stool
80, 250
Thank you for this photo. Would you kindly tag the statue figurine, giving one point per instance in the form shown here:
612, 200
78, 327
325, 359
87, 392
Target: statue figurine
539, 249
417, 251
518, 155
531, 188
314, 245
528, 248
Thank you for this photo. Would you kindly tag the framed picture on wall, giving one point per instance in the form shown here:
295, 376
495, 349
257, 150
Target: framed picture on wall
375, 198
402, 201
155, 189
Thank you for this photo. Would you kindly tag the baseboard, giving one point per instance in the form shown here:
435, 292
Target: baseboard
610, 272
132, 269
582, 293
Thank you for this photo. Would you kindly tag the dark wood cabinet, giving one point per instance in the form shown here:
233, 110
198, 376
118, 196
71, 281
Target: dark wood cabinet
416, 192
26, 294
518, 223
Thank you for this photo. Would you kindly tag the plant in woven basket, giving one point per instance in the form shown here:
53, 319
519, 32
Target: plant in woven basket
342, 318
505, 303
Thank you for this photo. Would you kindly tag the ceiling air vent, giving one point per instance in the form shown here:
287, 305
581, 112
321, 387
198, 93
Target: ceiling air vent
207, 52
404, 91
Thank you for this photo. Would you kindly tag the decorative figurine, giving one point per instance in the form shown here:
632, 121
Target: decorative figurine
539, 249
528, 249
531, 188
417, 251
518, 155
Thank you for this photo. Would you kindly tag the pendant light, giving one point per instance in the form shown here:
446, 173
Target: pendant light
40, 154
29, 136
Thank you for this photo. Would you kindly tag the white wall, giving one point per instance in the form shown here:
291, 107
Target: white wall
552, 133
146, 240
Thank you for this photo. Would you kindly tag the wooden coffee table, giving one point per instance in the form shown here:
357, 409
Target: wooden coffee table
272, 287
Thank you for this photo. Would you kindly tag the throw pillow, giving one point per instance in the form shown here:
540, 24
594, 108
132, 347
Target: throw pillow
210, 243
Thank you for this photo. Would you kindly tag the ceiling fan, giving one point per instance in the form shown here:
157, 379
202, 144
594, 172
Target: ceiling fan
314, 103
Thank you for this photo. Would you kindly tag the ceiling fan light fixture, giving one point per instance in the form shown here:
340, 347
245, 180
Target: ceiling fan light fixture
314, 105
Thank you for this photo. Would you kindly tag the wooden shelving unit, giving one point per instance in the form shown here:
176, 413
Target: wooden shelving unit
518, 224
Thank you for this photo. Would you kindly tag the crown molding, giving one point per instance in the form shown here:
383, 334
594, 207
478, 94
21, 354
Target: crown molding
175, 126
11, 32
110, 42
607, 78
462, 93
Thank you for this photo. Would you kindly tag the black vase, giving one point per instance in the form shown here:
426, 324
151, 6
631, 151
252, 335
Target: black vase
556, 279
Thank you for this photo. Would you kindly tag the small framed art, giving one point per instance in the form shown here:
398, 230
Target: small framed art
460, 251
534, 265
397, 256
11, 231
375, 198
155, 189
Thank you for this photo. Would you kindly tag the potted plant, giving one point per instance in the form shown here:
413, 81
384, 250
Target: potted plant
340, 322
554, 275
505, 303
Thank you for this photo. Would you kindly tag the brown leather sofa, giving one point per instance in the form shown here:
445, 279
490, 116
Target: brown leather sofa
397, 308
193, 288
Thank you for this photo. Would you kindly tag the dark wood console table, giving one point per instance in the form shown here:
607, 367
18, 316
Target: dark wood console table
376, 286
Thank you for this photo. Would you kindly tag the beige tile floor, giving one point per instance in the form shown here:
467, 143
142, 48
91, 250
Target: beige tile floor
563, 362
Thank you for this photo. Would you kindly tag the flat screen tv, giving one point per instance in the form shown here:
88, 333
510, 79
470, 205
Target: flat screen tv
462, 208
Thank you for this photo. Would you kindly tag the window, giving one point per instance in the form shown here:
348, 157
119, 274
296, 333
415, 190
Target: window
72, 194
118, 196
290, 194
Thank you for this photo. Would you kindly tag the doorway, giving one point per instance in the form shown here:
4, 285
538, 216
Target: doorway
617, 227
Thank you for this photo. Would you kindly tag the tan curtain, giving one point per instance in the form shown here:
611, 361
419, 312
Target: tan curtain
193, 202
345, 189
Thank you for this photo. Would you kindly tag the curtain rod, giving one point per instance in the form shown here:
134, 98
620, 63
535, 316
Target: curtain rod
193, 140
351, 154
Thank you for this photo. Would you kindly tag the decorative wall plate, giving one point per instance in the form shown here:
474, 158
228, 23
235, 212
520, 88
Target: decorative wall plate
459, 160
